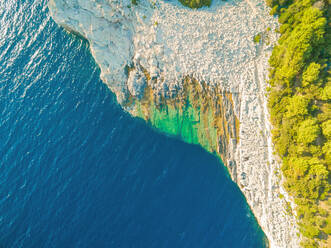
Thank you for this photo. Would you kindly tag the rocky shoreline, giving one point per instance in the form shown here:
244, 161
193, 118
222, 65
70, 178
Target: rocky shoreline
160, 57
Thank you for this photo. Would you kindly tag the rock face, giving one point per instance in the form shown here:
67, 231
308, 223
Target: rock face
156, 56
136, 83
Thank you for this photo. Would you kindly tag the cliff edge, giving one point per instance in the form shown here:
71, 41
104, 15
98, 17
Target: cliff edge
197, 74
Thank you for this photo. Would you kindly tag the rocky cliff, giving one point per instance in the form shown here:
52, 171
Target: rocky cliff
196, 74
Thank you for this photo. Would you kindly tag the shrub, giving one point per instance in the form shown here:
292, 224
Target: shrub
274, 10
257, 38
195, 4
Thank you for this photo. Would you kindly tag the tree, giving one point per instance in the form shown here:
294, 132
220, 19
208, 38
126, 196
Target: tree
297, 106
326, 129
327, 151
310, 75
308, 131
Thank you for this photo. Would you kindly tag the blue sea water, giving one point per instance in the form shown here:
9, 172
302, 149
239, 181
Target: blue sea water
77, 171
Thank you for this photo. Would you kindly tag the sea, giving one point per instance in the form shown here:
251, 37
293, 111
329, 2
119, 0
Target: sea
78, 171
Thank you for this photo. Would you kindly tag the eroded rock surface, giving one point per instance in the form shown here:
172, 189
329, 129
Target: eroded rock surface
148, 52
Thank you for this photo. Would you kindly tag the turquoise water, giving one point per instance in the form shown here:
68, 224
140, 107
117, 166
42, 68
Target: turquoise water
77, 171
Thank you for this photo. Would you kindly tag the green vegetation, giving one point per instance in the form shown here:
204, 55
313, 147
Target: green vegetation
300, 109
257, 38
195, 4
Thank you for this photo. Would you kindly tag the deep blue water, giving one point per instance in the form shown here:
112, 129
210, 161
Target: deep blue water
77, 171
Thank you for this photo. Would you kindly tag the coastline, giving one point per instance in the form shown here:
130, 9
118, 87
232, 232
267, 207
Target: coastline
254, 176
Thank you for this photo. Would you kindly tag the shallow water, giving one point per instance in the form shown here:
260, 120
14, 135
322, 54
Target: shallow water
77, 171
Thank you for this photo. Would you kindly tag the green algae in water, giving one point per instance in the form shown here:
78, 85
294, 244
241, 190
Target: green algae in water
185, 123
195, 122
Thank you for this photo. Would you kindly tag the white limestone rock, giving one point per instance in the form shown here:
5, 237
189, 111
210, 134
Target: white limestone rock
136, 83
